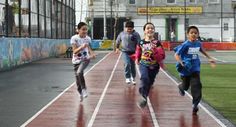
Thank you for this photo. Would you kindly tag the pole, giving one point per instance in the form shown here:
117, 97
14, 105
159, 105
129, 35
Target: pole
234, 24
104, 21
111, 20
6, 19
115, 24
147, 10
81, 8
185, 20
221, 20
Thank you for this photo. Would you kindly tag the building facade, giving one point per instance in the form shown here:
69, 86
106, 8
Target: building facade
37, 18
214, 18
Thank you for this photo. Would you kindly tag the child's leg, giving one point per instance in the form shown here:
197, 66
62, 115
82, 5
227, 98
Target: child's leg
127, 63
196, 88
80, 75
133, 69
185, 83
152, 75
145, 80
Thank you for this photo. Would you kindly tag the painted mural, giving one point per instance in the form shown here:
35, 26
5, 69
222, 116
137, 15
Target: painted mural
18, 51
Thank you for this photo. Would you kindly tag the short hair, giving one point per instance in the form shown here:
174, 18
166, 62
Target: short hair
81, 24
129, 24
192, 27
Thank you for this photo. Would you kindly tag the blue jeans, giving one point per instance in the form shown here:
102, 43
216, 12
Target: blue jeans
147, 79
129, 66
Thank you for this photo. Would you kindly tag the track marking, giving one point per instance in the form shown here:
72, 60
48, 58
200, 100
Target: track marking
153, 115
205, 109
223, 61
52, 101
91, 121
230, 51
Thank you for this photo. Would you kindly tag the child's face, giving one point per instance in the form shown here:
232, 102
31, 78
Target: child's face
129, 30
83, 30
149, 30
192, 34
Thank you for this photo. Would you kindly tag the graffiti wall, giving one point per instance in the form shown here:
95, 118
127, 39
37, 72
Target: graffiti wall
102, 44
18, 51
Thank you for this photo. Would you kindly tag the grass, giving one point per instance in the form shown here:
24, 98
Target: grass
219, 87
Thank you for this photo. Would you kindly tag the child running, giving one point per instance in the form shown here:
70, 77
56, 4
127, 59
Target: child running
188, 65
128, 40
82, 53
149, 53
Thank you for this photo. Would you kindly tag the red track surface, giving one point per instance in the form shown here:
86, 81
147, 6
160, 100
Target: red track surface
118, 107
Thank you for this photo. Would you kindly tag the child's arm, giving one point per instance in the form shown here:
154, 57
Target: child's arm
210, 59
77, 49
178, 59
118, 40
91, 53
138, 53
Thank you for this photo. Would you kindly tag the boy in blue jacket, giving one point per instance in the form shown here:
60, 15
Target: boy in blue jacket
188, 65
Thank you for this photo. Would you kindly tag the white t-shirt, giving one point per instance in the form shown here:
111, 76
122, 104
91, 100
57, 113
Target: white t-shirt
84, 53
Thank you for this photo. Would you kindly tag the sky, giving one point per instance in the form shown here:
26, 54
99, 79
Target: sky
78, 12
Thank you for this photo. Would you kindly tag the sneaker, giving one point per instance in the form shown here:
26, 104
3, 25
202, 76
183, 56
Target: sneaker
195, 110
127, 80
133, 81
142, 103
84, 93
181, 91
81, 97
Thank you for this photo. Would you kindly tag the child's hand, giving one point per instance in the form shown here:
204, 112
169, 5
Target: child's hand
84, 45
212, 63
117, 50
92, 56
137, 61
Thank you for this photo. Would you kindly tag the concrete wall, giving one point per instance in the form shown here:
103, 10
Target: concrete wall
18, 51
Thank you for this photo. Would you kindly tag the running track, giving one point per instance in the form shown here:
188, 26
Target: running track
111, 103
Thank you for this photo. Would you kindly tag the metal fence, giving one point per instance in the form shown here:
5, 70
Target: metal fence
37, 18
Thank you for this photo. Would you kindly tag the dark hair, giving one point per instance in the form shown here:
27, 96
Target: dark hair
192, 27
81, 24
129, 24
147, 24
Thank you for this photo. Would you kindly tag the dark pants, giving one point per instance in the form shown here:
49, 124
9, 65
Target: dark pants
147, 79
196, 86
129, 65
79, 75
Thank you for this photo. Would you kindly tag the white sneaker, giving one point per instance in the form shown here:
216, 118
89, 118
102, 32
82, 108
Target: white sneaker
133, 81
127, 80
84, 93
81, 98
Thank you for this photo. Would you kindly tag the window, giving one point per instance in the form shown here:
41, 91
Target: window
131, 1
213, 1
170, 1
192, 1
226, 26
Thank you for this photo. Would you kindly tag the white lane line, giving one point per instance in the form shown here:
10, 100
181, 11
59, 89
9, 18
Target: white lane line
223, 61
52, 101
91, 121
205, 109
227, 51
153, 115
219, 60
